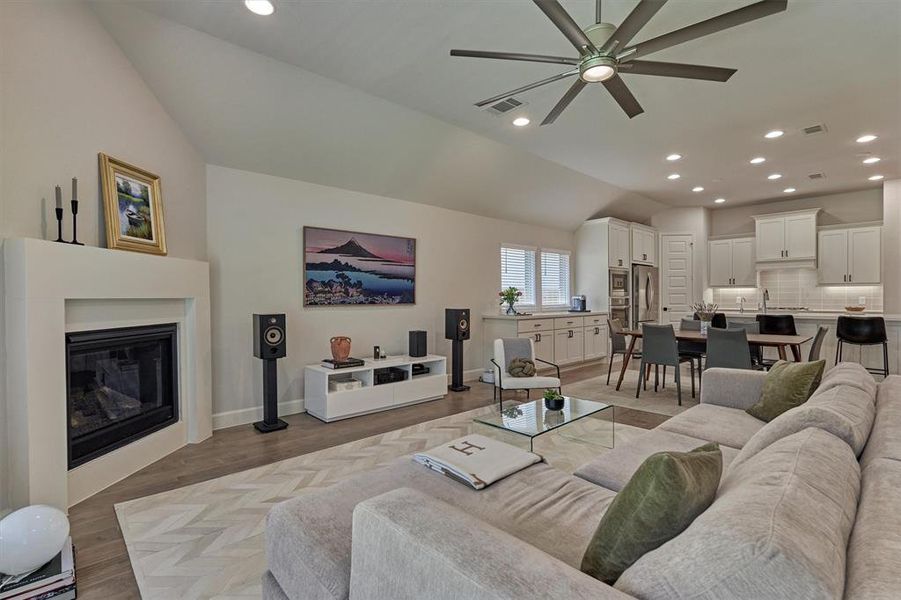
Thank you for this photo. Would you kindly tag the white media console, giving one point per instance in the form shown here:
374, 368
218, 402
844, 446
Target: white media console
371, 397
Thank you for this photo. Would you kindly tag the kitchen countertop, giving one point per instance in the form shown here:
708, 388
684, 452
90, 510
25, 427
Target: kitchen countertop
544, 315
812, 315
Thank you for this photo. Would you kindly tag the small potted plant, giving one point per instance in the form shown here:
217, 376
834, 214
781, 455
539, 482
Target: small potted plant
553, 399
705, 312
509, 296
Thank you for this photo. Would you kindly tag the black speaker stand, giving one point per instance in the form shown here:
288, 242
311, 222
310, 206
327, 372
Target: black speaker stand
457, 367
270, 421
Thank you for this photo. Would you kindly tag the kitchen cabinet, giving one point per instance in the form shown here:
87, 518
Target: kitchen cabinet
595, 339
569, 346
849, 256
787, 236
544, 345
732, 263
618, 246
644, 245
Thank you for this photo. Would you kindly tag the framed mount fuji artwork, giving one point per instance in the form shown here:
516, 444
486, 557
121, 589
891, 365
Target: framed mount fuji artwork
352, 268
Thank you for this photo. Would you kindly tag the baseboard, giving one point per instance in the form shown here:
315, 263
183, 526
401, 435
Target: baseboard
243, 416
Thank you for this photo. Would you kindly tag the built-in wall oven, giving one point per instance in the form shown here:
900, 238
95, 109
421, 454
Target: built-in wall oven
619, 283
619, 309
620, 304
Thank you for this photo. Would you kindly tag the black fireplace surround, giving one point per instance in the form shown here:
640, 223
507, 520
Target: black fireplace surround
121, 384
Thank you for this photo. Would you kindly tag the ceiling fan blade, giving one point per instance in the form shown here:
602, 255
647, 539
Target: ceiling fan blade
743, 15
667, 69
637, 19
541, 58
526, 88
577, 86
620, 92
566, 25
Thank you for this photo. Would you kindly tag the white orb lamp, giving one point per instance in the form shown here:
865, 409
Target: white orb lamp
30, 537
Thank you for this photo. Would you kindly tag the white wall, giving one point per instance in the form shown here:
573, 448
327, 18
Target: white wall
68, 92
254, 236
849, 207
891, 246
694, 220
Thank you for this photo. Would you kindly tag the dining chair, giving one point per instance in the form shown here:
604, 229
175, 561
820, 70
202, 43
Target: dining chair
817, 345
862, 331
660, 348
618, 344
756, 349
693, 350
728, 348
776, 325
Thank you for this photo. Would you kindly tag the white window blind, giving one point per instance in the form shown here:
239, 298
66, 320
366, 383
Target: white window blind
554, 278
518, 270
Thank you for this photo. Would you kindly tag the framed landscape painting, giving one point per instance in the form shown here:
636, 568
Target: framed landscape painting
132, 206
352, 268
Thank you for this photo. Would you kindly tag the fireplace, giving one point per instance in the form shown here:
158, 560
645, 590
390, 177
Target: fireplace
122, 384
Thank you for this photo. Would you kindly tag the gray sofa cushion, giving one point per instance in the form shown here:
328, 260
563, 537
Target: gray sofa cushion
778, 529
885, 441
847, 373
844, 411
615, 468
308, 539
874, 552
271, 589
725, 426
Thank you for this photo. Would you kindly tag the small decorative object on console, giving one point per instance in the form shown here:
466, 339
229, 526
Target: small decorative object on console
553, 400
705, 312
75, 213
347, 363
30, 537
340, 345
59, 215
509, 297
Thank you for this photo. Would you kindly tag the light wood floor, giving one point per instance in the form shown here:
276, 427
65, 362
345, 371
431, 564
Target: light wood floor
104, 570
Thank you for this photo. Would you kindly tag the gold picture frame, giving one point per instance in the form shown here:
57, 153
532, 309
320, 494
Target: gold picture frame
132, 206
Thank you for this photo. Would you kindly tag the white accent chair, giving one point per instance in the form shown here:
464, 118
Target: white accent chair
504, 381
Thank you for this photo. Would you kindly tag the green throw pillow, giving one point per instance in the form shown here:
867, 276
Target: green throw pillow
521, 367
667, 492
787, 385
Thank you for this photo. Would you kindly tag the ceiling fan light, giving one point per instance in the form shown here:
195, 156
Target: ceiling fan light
597, 69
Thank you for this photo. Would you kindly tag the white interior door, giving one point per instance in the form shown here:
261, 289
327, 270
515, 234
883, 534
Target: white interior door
676, 276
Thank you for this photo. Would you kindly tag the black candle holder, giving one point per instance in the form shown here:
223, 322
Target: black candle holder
75, 224
59, 226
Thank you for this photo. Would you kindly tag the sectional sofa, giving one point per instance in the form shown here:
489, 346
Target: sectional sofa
809, 506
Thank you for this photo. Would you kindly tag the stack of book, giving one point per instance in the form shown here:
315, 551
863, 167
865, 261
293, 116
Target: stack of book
55, 580
328, 363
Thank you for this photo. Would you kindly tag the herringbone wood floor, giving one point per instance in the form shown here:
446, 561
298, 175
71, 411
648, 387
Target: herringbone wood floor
104, 570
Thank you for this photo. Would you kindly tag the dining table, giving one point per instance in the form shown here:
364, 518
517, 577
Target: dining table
768, 340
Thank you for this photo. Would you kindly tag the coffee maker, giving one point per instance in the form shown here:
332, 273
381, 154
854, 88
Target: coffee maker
578, 304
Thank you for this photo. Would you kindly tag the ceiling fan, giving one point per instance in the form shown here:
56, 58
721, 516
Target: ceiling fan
604, 53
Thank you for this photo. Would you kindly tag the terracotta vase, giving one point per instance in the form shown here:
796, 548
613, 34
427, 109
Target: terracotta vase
340, 348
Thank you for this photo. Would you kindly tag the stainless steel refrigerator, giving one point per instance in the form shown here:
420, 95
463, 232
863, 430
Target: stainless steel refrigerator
645, 295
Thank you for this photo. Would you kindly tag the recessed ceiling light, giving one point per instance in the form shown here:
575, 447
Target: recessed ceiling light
774, 176
260, 7
719, 200
789, 190
757, 160
673, 176
697, 188
774, 134
673, 157
521, 121
866, 138
871, 160
875, 177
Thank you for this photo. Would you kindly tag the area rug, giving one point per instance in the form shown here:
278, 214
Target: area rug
663, 401
206, 540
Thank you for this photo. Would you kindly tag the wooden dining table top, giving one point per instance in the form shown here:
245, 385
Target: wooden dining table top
761, 339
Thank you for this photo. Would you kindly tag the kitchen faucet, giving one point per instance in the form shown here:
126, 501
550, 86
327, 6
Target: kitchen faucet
766, 297
741, 304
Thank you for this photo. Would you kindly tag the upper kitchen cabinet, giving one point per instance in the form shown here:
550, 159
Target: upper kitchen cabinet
644, 244
731, 263
618, 251
850, 256
787, 237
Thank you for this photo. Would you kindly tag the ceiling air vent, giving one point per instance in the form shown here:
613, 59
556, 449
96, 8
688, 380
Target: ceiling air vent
504, 106
814, 129
816, 176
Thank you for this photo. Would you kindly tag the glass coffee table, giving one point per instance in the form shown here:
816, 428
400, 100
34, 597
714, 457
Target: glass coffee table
532, 418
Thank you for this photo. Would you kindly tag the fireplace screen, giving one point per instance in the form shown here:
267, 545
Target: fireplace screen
122, 385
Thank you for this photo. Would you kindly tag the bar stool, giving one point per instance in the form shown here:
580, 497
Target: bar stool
775, 325
863, 331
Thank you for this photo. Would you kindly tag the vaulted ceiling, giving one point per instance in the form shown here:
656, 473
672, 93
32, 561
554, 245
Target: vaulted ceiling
832, 63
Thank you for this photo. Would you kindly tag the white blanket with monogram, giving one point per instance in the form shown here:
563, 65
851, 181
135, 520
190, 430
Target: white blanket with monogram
476, 460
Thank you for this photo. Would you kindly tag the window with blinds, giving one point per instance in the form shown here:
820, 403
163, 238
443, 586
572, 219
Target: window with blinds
554, 278
518, 270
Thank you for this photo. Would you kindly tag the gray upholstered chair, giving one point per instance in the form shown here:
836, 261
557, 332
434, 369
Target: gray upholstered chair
756, 350
728, 348
817, 345
618, 344
505, 350
659, 348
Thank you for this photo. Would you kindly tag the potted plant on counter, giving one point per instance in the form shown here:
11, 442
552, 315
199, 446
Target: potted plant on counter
509, 296
705, 312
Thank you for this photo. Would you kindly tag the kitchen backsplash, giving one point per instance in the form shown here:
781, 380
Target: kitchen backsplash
798, 288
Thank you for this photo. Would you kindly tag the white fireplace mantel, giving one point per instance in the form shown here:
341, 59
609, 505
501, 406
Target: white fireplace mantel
40, 278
